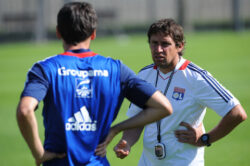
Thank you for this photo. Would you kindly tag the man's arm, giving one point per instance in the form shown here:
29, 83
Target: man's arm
225, 126
28, 126
213, 95
228, 123
158, 107
129, 138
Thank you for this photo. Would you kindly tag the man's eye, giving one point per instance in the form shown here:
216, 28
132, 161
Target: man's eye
154, 43
165, 44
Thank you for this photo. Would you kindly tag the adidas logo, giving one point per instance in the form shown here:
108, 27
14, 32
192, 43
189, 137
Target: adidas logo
81, 121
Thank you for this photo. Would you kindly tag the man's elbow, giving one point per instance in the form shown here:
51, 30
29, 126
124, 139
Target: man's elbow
23, 112
239, 113
168, 110
243, 116
26, 107
242, 113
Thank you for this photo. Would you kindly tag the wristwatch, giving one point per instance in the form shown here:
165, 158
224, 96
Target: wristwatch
205, 139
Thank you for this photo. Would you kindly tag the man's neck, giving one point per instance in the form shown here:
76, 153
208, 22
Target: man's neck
166, 70
82, 45
171, 67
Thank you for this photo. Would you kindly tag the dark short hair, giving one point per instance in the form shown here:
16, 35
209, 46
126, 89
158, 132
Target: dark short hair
167, 27
76, 21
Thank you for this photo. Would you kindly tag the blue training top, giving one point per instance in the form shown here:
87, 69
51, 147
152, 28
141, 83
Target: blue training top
82, 94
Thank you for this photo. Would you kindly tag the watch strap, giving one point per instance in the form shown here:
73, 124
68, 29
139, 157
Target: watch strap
205, 139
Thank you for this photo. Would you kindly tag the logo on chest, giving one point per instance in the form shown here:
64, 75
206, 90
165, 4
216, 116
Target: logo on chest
84, 88
178, 93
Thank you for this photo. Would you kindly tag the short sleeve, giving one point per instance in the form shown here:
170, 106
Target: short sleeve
133, 110
210, 93
36, 84
135, 89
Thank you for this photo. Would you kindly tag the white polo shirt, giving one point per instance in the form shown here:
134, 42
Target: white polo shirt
191, 91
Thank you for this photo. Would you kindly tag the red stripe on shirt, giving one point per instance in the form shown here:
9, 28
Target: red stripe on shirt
183, 67
80, 55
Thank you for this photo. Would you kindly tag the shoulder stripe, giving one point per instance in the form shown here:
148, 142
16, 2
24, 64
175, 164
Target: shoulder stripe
147, 67
212, 82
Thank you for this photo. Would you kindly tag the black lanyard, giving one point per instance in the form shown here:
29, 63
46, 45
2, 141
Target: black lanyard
165, 93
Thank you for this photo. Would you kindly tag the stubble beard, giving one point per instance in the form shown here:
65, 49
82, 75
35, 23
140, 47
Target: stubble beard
164, 65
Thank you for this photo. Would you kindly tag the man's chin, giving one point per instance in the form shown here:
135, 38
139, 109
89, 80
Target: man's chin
162, 65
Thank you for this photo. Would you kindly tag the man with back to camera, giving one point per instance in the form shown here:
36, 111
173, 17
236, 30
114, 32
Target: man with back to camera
82, 93
190, 91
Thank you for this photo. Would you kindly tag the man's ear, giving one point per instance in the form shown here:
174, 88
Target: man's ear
93, 36
58, 34
180, 47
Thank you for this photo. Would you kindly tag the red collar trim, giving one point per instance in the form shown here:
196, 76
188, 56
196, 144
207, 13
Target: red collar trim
184, 65
166, 77
79, 55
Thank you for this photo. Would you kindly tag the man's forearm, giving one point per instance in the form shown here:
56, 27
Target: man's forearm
132, 135
145, 117
28, 126
228, 123
158, 107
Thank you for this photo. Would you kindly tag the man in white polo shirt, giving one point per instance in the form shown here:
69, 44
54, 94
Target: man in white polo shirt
175, 141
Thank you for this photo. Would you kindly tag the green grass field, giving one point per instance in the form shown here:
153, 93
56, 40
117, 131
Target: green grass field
224, 54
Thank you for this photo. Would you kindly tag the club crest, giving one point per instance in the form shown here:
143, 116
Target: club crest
84, 88
178, 93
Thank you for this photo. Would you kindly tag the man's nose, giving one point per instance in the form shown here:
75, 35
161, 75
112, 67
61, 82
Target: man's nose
159, 48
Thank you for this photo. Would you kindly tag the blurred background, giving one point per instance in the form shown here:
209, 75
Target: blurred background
36, 19
218, 39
